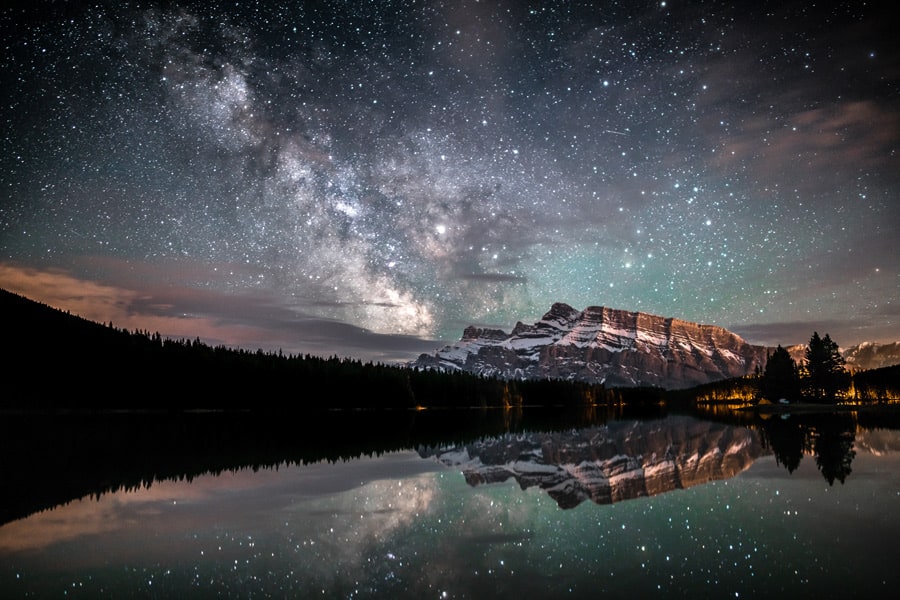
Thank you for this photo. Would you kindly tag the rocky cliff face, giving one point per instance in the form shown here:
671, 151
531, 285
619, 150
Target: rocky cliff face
619, 461
603, 345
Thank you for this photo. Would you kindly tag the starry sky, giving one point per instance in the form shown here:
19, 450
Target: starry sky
367, 178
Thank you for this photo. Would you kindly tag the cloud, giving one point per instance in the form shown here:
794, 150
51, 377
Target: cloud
248, 320
888, 310
849, 135
55, 287
845, 333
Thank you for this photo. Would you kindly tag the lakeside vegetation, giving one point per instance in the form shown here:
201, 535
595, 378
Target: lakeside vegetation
874, 387
58, 361
820, 380
90, 408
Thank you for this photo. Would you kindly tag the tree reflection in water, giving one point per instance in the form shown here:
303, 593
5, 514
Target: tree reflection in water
95, 454
828, 436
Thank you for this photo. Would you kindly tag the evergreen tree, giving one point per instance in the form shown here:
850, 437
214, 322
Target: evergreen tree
833, 447
781, 378
825, 374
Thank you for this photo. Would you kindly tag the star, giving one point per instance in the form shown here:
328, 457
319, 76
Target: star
406, 169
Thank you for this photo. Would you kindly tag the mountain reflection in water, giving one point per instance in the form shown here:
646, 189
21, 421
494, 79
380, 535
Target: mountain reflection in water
212, 506
609, 463
575, 456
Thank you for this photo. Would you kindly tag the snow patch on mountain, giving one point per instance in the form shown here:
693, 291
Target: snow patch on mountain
602, 345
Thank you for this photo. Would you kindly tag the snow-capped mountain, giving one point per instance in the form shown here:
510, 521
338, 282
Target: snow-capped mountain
611, 463
602, 345
871, 355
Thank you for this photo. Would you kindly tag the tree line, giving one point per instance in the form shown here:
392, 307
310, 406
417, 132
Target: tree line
54, 360
821, 377
60, 361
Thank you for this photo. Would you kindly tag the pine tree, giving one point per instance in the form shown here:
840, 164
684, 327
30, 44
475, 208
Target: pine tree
825, 374
780, 378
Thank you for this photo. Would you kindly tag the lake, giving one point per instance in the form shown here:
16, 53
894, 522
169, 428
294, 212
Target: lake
667, 506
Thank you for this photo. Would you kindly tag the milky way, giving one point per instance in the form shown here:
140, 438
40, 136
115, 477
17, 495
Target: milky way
365, 178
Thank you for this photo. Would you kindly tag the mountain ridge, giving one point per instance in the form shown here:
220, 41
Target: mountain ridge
603, 345
623, 348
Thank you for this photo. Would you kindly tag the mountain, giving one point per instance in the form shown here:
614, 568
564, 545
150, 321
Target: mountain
607, 464
602, 345
871, 355
861, 357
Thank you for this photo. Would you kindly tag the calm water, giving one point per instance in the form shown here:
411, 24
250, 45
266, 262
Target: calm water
669, 507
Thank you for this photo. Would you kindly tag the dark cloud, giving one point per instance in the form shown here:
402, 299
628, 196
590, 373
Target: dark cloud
845, 333
887, 310
248, 320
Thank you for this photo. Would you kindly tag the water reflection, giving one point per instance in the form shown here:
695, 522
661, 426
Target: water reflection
610, 463
96, 454
396, 524
828, 437
92, 455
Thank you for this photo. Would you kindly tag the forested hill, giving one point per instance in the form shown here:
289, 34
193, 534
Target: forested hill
60, 361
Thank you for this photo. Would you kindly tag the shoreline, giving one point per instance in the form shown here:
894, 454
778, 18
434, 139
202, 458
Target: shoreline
812, 408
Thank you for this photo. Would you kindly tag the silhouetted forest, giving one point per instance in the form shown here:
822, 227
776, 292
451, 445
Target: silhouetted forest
58, 361
877, 385
62, 375
61, 361
872, 387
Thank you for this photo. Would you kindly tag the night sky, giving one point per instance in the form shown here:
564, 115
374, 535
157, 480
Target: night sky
367, 178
